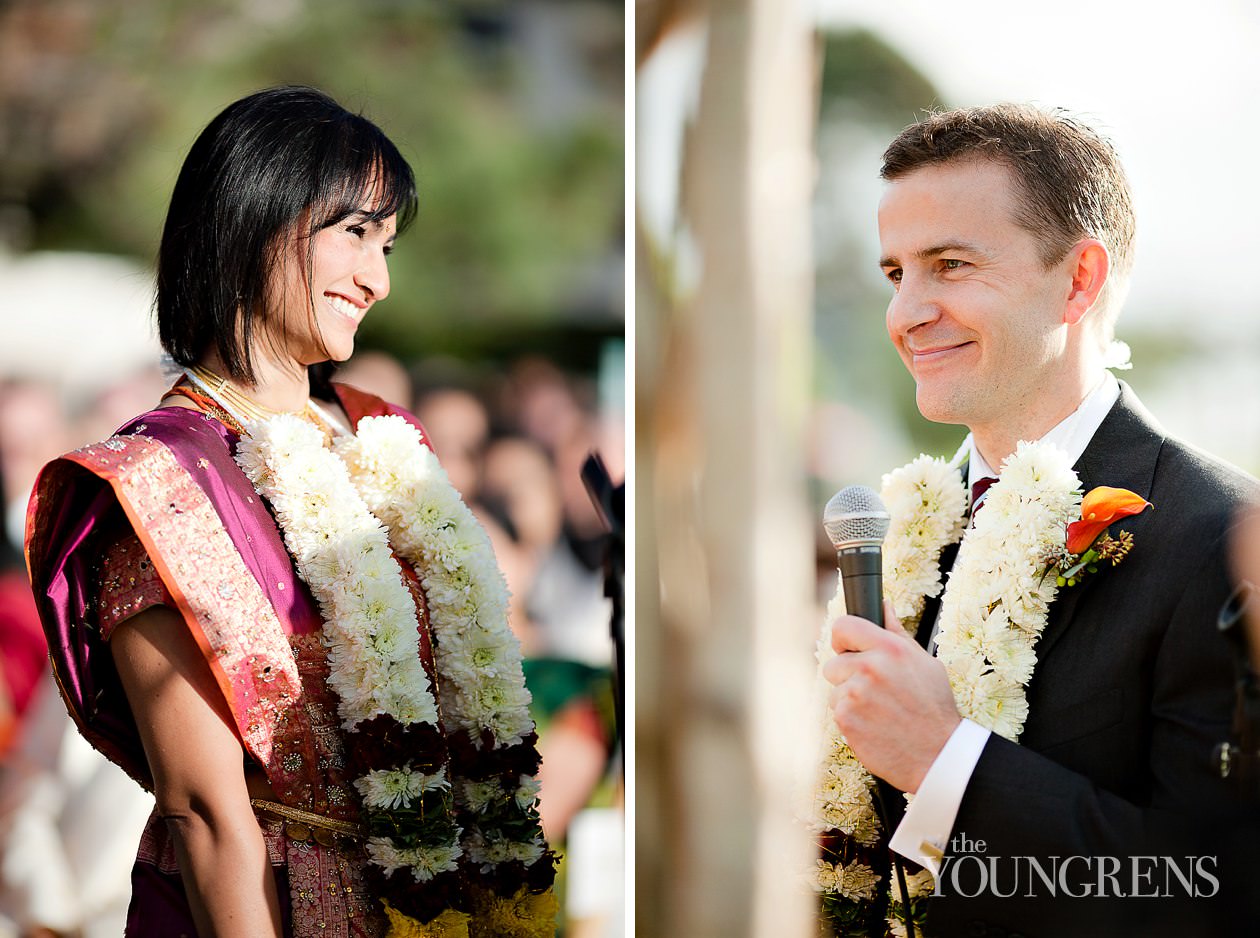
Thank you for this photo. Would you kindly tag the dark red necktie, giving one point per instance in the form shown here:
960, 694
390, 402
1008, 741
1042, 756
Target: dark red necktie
978, 492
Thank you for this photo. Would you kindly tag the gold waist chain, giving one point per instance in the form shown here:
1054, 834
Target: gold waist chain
305, 826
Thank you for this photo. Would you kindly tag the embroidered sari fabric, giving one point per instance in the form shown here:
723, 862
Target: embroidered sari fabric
129, 582
205, 543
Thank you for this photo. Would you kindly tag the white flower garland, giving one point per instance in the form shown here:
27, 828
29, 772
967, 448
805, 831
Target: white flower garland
998, 599
854, 881
478, 657
927, 509
483, 797
343, 553
992, 613
390, 789
423, 862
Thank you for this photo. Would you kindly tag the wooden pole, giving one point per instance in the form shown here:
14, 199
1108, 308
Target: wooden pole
725, 563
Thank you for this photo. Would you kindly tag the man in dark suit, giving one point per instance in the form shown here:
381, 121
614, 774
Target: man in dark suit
1006, 233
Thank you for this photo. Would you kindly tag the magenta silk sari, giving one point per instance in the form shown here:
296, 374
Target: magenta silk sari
219, 553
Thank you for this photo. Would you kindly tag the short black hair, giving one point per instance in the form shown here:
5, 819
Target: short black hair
271, 161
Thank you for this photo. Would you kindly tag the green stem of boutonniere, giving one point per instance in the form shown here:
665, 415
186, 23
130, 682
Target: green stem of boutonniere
1069, 576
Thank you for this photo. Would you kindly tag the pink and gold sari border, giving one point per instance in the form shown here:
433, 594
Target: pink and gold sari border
227, 613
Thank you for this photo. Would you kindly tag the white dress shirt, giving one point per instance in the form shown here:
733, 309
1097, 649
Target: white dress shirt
924, 831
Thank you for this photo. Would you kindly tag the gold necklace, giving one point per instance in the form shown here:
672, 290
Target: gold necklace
240, 405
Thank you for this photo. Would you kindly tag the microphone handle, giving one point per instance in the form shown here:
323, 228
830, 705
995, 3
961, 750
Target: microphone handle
861, 569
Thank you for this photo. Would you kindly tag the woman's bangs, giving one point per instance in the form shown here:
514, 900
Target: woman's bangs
371, 177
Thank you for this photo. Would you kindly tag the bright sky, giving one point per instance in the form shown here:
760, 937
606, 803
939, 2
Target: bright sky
1176, 93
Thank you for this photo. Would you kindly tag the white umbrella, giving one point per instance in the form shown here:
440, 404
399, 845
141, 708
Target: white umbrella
80, 321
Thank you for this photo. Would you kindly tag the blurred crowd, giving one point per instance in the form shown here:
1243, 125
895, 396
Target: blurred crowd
513, 441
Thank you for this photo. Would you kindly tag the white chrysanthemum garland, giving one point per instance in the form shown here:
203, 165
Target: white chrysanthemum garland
481, 682
992, 614
927, 508
999, 595
478, 657
927, 505
343, 553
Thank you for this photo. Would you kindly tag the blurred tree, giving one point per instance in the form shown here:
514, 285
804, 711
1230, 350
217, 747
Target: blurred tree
65, 115
516, 143
866, 79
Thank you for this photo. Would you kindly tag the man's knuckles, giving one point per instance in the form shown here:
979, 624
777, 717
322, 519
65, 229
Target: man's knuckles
850, 633
835, 669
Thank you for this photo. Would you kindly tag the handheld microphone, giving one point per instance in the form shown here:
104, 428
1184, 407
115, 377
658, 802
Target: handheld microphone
856, 521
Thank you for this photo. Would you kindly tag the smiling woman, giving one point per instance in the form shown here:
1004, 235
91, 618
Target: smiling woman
293, 632
286, 204
347, 275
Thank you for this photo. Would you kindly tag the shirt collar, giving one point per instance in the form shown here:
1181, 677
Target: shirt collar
1072, 434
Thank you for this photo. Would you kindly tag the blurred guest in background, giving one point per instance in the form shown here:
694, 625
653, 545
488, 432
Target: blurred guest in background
70, 821
378, 373
459, 426
33, 430
23, 652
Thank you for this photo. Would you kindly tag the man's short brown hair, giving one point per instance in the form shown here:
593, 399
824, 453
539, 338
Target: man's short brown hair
1072, 185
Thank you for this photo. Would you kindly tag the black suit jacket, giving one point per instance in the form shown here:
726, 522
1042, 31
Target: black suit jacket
1133, 691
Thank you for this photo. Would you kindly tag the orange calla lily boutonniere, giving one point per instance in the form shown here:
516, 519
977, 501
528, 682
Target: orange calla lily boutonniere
1099, 510
1088, 544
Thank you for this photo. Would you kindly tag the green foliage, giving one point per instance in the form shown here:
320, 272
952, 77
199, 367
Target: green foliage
845, 918
517, 203
872, 81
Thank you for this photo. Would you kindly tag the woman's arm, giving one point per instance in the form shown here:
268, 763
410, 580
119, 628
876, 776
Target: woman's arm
198, 775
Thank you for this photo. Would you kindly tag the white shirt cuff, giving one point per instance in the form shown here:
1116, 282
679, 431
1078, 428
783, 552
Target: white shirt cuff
924, 831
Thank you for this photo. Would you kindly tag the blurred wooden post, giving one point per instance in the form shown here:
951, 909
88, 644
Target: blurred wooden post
725, 619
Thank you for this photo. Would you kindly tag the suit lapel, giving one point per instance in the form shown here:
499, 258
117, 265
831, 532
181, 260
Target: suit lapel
932, 606
1122, 454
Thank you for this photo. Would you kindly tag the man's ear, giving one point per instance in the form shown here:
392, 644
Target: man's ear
1089, 264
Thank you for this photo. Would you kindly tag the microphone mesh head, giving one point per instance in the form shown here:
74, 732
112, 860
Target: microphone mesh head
855, 516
